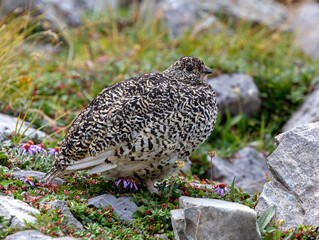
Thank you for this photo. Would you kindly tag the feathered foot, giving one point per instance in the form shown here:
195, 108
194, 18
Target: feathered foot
150, 186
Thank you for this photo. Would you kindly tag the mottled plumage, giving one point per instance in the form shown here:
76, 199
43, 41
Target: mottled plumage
140, 127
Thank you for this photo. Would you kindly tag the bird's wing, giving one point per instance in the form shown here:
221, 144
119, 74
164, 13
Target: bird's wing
131, 134
77, 142
108, 121
132, 116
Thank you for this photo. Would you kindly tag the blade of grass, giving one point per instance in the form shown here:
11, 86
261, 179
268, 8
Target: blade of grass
232, 190
38, 129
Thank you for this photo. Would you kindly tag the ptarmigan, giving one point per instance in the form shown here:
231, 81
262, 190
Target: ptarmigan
140, 127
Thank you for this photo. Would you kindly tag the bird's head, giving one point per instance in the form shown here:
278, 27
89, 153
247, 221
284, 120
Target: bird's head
189, 70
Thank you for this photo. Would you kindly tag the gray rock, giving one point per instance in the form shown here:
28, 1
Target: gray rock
33, 235
37, 175
199, 185
267, 12
18, 210
183, 15
178, 222
53, 10
180, 16
307, 29
161, 236
43, 52
8, 124
122, 206
236, 93
64, 207
294, 188
101, 6
248, 166
308, 112
200, 218
274, 192
59, 13
209, 24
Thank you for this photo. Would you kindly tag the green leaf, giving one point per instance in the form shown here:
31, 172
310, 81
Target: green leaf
19, 197
144, 200
25, 164
3, 156
6, 183
141, 208
232, 189
290, 235
18, 183
178, 191
171, 205
266, 217
137, 215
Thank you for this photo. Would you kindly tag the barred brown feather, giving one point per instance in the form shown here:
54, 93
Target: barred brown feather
140, 127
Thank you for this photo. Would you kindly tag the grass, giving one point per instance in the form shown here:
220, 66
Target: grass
109, 49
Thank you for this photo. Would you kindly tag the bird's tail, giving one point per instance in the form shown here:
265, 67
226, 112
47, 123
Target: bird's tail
54, 172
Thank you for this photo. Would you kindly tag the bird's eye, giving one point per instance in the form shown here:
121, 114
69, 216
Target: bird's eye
189, 68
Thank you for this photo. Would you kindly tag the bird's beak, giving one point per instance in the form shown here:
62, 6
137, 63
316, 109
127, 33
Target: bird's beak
207, 70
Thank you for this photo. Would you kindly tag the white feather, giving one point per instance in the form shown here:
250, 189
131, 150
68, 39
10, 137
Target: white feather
102, 168
89, 162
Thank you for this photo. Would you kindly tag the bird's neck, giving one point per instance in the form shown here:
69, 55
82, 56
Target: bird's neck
175, 75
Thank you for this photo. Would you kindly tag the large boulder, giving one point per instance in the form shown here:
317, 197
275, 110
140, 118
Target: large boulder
8, 125
248, 166
306, 24
308, 112
236, 93
201, 218
294, 188
18, 210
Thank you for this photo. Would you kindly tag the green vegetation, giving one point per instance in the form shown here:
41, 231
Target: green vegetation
81, 62
105, 51
152, 217
152, 220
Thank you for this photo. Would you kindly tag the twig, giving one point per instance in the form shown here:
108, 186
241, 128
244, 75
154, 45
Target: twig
46, 117
212, 154
60, 129
197, 225
169, 195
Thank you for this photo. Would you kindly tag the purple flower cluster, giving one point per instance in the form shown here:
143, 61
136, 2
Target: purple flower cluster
126, 183
54, 151
32, 148
29, 180
221, 190
40, 148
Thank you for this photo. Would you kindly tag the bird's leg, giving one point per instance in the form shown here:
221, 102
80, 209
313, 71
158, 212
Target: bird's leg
150, 186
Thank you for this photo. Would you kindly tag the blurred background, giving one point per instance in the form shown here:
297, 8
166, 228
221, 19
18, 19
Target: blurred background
58, 55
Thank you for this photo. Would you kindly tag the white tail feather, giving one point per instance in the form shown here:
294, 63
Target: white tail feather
89, 162
102, 168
